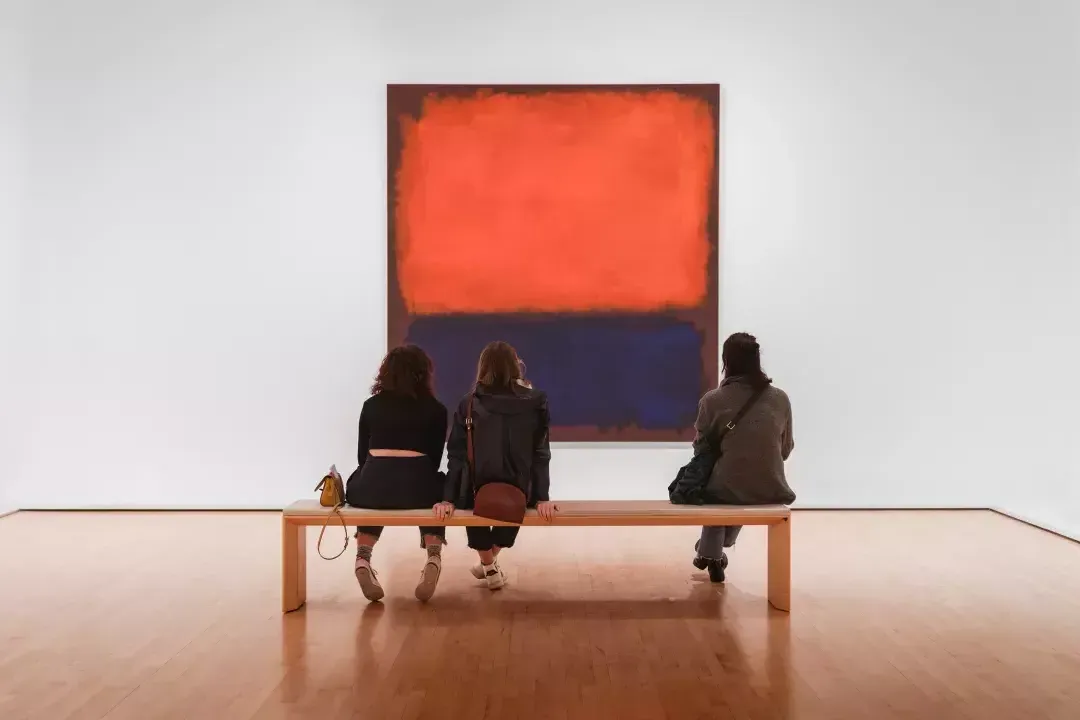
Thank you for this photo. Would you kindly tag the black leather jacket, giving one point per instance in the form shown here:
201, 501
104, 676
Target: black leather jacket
510, 444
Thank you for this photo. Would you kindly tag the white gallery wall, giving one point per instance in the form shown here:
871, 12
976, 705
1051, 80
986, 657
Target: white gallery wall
1039, 400
12, 175
204, 234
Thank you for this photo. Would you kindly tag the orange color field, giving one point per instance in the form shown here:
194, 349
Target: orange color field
555, 202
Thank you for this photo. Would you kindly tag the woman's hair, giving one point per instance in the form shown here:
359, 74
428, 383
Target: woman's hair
500, 366
742, 358
407, 370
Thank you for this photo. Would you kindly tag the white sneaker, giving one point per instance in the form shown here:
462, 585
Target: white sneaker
477, 571
369, 583
494, 577
429, 578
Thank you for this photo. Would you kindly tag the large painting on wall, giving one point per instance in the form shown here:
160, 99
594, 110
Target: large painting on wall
577, 222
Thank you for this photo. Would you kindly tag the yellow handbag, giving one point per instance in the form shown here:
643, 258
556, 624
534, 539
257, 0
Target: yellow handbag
331, 491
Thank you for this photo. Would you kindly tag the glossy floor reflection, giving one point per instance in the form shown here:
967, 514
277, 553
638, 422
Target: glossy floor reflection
907, 614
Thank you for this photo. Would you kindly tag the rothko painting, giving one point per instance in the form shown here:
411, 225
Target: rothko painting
578, 223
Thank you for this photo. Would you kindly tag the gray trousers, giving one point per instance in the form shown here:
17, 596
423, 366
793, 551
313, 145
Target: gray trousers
715, 538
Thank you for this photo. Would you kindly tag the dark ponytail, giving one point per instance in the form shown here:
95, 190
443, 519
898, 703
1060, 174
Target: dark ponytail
742, 358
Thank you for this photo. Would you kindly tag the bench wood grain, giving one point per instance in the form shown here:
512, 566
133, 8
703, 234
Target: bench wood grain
597, 513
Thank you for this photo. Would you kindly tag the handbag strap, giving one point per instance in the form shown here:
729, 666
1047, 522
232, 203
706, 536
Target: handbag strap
470, 456
335, 511
739, 415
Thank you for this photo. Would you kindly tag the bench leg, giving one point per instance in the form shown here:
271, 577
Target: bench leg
293, 566
780, 565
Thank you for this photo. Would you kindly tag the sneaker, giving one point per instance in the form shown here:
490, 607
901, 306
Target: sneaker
369, 582
429, 578
717, 569
494, 578
477, 571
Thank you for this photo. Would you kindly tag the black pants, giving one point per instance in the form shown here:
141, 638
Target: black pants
715, 538
396, 483
485, 538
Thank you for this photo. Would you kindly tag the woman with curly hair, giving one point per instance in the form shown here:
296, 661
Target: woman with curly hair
402, 434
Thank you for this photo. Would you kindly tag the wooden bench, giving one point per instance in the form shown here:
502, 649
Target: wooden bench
297, 517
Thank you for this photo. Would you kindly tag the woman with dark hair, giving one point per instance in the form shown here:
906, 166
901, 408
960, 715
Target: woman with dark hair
510, 445
749, 468
402, 432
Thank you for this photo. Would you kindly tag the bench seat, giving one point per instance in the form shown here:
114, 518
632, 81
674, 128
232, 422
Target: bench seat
597, 513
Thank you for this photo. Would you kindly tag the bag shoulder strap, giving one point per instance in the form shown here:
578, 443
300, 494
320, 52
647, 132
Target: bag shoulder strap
469, 451
740, 415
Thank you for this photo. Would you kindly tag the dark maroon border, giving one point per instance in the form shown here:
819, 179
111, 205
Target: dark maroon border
407, 100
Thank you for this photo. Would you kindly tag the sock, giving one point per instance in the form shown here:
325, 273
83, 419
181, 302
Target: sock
363, 552
434, 550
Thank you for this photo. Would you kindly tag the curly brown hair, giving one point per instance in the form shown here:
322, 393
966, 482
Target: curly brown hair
407, 370
500, 366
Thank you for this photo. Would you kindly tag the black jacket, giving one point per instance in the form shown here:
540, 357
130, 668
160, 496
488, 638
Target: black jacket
510, 444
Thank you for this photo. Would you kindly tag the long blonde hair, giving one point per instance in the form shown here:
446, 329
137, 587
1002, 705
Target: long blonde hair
500, 366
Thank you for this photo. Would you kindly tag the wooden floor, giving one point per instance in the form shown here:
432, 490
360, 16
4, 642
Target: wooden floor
895, 615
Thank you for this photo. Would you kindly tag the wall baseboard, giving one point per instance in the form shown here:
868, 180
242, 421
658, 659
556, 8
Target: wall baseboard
874, 508
155, 508
1053, 530
5, 513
